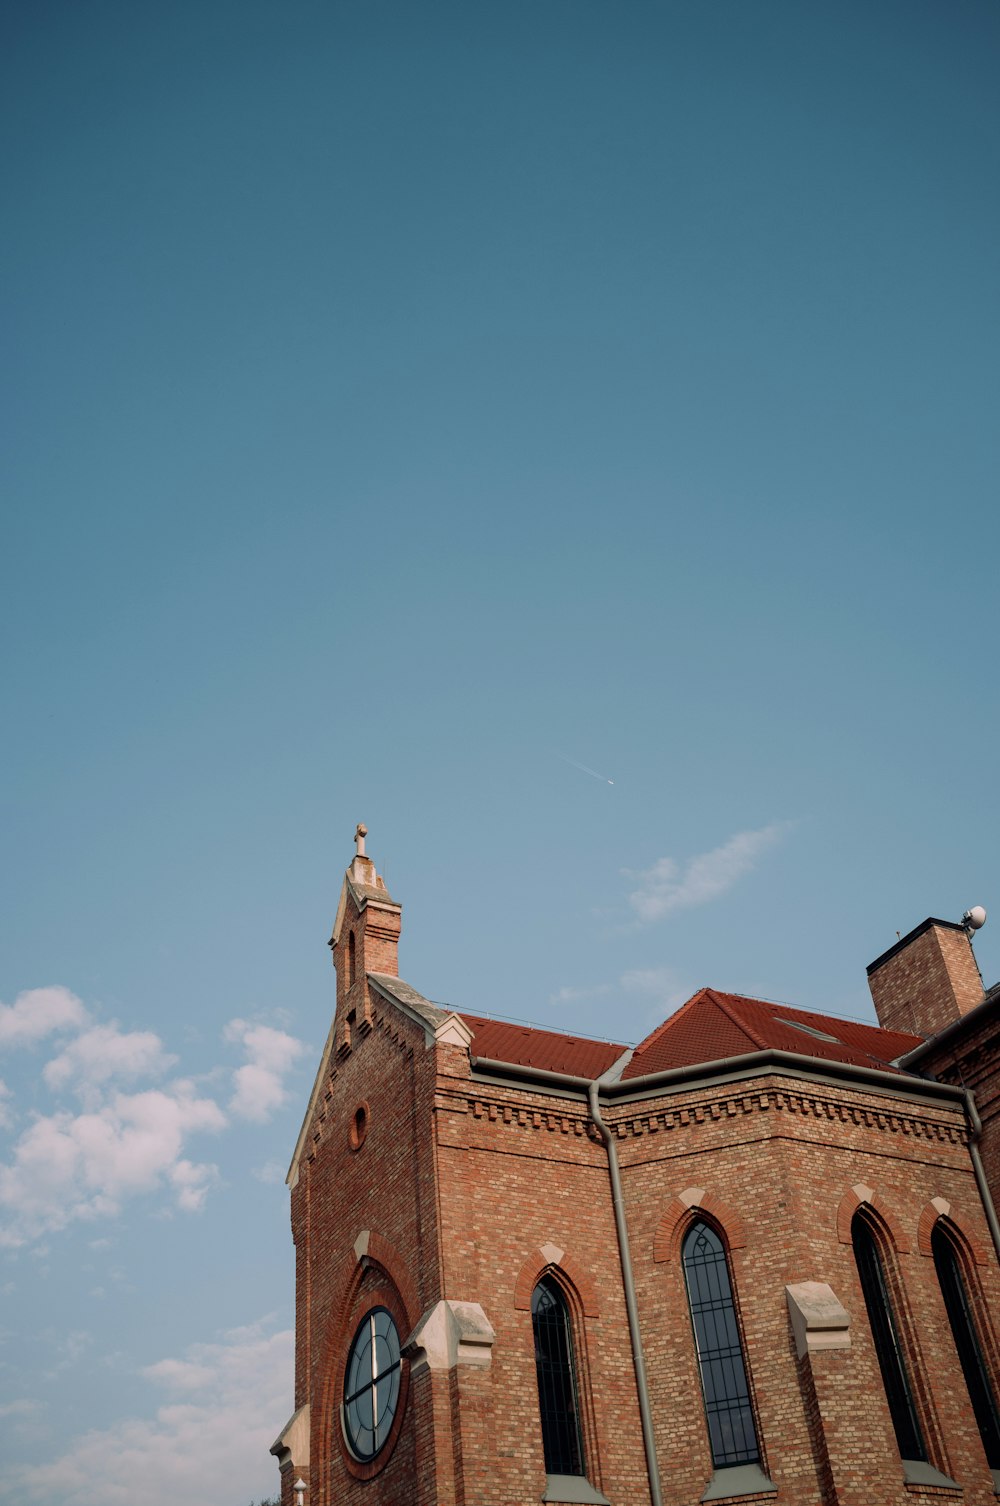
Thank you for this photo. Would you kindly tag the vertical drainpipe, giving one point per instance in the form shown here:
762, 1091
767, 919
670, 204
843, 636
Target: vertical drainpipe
631, 1306
975, 1135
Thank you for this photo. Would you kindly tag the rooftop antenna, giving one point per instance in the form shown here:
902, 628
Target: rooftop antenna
974, 919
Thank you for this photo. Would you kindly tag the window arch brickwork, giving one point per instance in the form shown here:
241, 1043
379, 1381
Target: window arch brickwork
937, 1208
543, 1259
372, 1248
372, 1275
859, 1195
681, 1213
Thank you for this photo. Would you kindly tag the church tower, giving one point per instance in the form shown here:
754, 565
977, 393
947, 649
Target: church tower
365, 940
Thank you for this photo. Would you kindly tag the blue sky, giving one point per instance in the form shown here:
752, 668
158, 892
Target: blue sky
405, 406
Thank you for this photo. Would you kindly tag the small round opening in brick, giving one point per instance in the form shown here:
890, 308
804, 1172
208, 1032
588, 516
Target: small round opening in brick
359, 1126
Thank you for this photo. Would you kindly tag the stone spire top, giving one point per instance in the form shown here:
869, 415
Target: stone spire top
368, 918
362, 870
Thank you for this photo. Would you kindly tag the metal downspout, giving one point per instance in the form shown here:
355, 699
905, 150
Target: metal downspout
976, 1133
631, 1306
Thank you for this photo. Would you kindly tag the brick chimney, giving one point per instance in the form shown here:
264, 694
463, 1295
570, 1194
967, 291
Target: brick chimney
365, 936
927, 980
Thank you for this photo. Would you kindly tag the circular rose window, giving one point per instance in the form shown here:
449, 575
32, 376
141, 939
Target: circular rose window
371, 1384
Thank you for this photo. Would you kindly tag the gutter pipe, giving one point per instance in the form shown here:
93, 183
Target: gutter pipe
726, 1068
975, 1135
946, 1034
631, 1305
591, 1088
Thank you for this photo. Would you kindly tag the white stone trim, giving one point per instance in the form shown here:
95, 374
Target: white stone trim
293, 1441
450, 1334
819, 1319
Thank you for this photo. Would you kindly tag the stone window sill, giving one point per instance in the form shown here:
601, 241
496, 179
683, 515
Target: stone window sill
741, 1480
573, 1490
916, 1472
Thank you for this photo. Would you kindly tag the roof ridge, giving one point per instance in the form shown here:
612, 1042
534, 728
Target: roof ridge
734, 1019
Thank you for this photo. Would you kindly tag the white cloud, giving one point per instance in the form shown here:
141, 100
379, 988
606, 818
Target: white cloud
208, 1442
71, 1165
181, 1375
23, 1407
80, 1166
663, 989
70, 1349
40, 1012
102, 1053
258, 1087
569, 995
664, 887
191, 1183
272, 1172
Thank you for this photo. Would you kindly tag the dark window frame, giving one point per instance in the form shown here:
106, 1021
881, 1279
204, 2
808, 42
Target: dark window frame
888, 1341
720, 1350
959, 1304
558, 1381
382, 1425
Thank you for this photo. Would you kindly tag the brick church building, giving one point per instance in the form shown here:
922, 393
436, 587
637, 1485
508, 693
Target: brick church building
753, 1259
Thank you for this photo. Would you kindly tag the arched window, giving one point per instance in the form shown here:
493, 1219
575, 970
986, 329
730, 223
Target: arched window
724, 1385
350, 960
557, 1389
963, 1328
888, 1346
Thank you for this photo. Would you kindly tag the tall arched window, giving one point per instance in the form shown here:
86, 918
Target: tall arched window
956, 1301
557, 1388
350, 960
724, 1385
888, 1345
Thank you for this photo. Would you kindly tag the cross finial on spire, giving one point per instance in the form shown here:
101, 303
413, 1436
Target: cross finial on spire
360, 832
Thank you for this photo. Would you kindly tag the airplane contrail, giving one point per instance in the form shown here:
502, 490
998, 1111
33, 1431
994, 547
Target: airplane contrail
584, 769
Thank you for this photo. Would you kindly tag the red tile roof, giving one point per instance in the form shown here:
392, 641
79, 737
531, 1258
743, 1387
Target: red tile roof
710, 1027
548, 1049
713, 1025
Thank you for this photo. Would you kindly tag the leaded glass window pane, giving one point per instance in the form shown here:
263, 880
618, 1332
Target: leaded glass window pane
557, 1393
888, 1348
726, 1393
970, 1352
371, 1383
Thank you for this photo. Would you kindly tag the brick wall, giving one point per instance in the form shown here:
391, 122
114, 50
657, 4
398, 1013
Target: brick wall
927, 982
775, 1165
970, 1058
469, 1190
381, 1181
